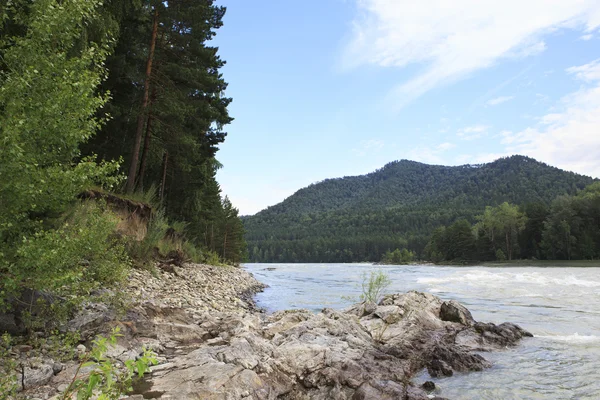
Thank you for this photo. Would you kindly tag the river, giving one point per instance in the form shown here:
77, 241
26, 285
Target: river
560, 306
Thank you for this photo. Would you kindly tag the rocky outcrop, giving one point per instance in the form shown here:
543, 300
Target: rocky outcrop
214, 345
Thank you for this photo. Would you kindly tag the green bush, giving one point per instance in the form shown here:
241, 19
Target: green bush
500, 255
78, 257
398, 257
8, 369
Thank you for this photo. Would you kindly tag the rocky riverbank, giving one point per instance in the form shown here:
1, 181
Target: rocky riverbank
212, 342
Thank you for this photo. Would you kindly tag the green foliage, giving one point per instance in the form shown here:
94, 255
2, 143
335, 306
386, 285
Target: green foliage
567, 230
144, 251
48, 98
107, 380
455, 243
373, 285
8, 369
183, 122
502, 226
500, 255
360, 218
398, 257
81, 255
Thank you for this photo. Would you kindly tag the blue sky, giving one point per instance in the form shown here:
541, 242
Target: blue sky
331, 88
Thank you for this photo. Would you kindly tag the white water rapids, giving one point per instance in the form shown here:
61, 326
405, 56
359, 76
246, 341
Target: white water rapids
560, 306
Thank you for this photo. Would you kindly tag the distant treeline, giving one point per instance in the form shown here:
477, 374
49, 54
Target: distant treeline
569, 229
402, 205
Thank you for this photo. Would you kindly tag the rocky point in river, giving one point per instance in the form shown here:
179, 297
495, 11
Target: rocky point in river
212, 343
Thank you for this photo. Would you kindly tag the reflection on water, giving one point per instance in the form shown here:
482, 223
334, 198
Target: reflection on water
560, 306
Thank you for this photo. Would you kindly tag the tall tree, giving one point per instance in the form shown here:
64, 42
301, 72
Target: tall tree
48, 100
511, 222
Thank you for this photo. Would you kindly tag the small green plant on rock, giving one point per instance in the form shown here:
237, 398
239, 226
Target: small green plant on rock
373, 286
107, 380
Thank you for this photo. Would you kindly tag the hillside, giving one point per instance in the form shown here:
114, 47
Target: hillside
358, 218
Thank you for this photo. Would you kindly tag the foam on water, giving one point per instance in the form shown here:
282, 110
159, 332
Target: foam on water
480, 277
574, 338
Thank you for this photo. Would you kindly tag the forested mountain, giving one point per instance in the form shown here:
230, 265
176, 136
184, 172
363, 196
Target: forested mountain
398, 206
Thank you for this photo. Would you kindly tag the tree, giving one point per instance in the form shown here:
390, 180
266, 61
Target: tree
502, 226
511, 222
558, 238
48, 101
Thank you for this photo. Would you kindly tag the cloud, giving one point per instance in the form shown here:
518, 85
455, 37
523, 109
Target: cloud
589, 72
570, 138
499, 100
586, 37
472, 132
430, 155
452, 39
368, 146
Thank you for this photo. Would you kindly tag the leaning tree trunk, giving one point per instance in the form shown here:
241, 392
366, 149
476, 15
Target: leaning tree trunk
141, 117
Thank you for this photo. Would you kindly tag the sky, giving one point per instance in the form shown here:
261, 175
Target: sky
330, 88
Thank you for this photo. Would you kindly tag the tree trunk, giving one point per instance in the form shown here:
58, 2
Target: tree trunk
164, 176
142, 172
141, 117
225, 243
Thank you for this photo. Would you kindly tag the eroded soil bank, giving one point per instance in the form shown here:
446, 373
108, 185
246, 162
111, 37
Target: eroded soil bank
212, 342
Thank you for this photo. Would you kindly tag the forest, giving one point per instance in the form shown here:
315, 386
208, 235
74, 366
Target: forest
400, 206
122, 98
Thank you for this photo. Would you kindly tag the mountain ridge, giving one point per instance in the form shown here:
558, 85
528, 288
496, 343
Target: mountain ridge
405, 199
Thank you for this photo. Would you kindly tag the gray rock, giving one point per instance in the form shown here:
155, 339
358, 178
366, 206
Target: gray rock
453, 311
214, 345
33, 377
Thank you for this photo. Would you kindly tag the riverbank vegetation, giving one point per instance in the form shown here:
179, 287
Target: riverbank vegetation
400, 206
111, 113
567, 229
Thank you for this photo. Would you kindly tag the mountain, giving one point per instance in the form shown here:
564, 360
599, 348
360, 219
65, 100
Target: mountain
358, 218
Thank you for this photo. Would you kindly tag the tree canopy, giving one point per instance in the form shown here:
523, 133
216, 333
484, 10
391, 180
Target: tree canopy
399, 206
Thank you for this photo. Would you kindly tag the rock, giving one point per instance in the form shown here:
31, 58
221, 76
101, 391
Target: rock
428, 386
214, 344
33, 377
437, 368
453, 311
81, 349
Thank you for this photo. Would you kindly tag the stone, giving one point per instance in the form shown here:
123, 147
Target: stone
428, 386
453, 311
213, 343
33, 377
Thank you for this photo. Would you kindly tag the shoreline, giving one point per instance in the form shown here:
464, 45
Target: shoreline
214, 342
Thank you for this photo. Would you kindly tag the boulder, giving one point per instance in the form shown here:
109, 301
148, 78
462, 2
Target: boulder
453, 311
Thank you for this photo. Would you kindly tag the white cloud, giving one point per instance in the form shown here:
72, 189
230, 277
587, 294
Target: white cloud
569, 139
368, 146
430, 155
445, 146
472, 132
499, 100
454, 38
588, 72
586, 37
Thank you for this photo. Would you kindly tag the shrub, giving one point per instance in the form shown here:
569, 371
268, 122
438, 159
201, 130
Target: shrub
500, 255
107, 380
373, 286
79, 257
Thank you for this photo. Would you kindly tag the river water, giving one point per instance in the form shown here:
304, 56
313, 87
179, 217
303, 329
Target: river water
560, 306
